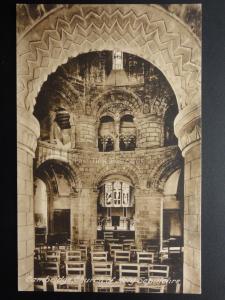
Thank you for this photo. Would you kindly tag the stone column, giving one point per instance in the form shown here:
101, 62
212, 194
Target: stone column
28, 131
74, 216
147, 215
149, 129
87, 224
187, 129
86, 133
73, 131
117, 133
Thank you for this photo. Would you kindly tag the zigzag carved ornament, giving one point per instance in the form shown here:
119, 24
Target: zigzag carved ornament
147, 31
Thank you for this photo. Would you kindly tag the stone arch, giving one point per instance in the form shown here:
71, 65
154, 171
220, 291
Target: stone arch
148, 31
105, 114
133, 102
117, 169
58, 92
161, 172
73, 177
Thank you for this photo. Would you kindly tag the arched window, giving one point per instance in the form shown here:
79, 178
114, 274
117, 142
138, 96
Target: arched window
127, 133
106, 134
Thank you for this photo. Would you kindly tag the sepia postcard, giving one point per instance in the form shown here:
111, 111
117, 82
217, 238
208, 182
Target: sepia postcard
109, 148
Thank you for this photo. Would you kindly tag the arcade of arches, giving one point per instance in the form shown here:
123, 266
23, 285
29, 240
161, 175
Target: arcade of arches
109, 133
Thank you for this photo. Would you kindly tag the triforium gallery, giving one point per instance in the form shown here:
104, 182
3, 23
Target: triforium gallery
108, 148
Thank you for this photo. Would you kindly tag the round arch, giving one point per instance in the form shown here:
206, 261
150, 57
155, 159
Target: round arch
73, 178
131, 102
117, 169
147, 31
163, 171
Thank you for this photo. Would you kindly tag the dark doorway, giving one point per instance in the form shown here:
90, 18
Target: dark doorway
61, 224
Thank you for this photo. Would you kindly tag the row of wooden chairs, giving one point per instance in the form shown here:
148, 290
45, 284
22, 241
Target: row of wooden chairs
123, 256
117, 255
104, 270
106, 287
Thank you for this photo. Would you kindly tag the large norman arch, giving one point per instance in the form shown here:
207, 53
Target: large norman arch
148, 31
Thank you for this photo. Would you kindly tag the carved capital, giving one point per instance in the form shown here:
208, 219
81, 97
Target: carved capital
187, 126
28, 130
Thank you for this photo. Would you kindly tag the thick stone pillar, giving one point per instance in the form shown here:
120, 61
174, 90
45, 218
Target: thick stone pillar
87, 224
74, 216
187, 129
86, 137
147, 215
28, 131
149, 131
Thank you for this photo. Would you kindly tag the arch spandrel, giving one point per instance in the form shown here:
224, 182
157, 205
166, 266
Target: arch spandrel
147, 31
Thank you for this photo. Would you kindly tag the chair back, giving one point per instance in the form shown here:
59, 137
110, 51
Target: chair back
99, 241
113, 248
83, 242
73, 255
97, 256
130, 288
145, 257
129, 271
76, 269
161, 271
51, 268
108, 235
83, 249
107, 287
121, 256
129, 241
101, 270
98, 247
112, 241
52, 255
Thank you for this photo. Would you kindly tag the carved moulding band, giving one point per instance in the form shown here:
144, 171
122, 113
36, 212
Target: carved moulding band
187, 127
28, 131
145, 30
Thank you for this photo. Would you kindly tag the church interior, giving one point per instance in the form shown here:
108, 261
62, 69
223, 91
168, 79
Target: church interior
113, 193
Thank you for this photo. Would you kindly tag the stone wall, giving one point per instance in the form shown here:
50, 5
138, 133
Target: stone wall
138, 166
28, 130
86, 133
147, 216
150, 130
